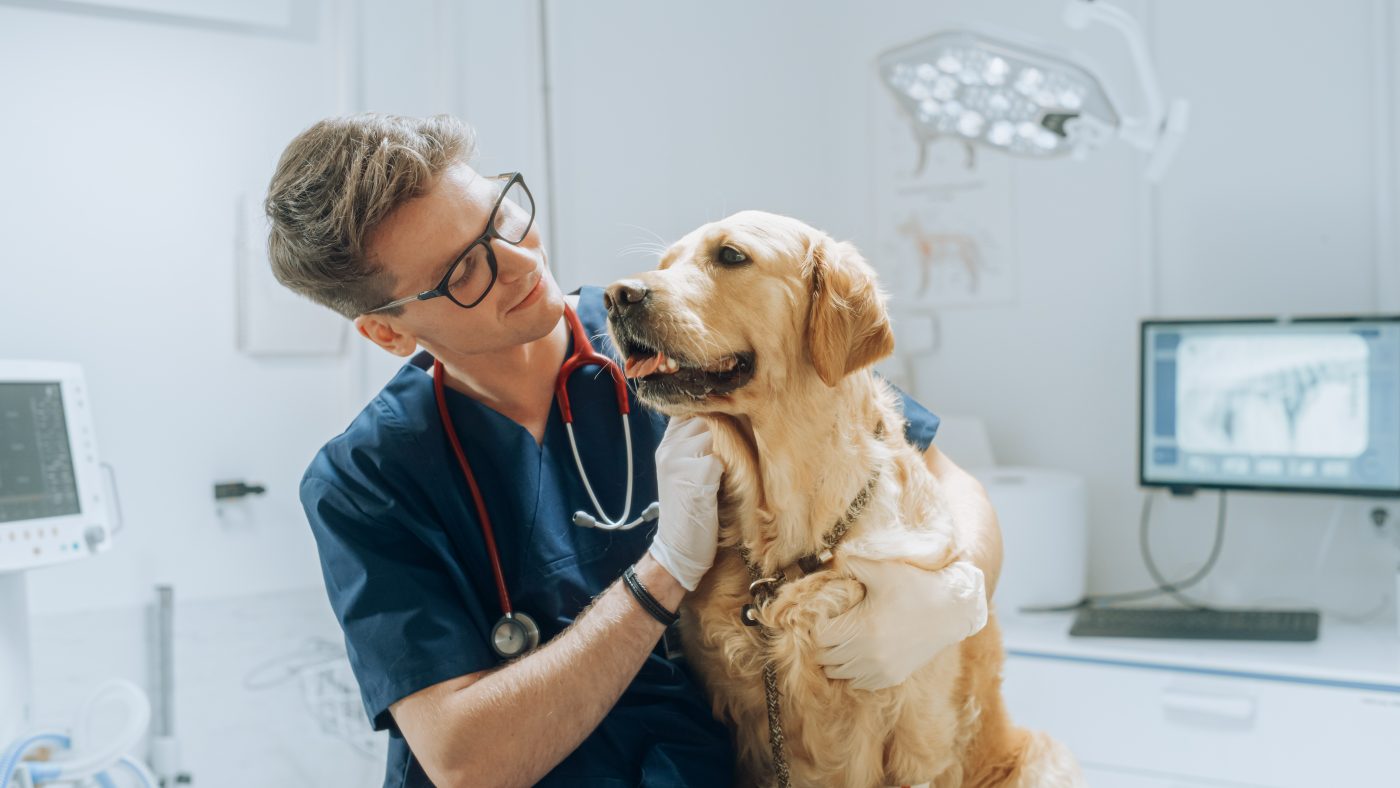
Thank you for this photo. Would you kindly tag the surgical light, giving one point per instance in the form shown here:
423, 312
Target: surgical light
1026, 100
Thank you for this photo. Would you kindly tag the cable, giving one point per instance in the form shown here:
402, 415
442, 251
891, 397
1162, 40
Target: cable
1164, 587
1174, 589
1329, 537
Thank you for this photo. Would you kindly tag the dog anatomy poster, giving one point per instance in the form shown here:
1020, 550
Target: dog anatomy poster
943, 217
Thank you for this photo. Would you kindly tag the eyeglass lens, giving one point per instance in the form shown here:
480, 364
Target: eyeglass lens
472, 277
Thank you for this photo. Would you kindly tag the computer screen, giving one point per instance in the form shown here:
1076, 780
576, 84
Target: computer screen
1290, 405
37, 477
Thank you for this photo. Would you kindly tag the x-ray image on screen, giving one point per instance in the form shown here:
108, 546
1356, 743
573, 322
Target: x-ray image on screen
1307, 405
1273, 395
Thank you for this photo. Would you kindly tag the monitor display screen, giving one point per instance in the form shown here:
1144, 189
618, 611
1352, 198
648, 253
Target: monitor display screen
37, 478
1305, 405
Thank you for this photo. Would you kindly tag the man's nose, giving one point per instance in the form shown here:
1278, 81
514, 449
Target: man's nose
624, 295
513, 262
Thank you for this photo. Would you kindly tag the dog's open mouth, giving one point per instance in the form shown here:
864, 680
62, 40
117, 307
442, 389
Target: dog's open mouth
663, 375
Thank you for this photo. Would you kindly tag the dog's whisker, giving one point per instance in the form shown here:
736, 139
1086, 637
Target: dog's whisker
656, 246
642, 249
652, 233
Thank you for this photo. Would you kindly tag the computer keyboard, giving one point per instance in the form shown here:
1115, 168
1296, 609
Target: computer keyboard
1215, 624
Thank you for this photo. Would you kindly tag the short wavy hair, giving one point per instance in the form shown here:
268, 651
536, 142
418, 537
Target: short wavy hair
333, 186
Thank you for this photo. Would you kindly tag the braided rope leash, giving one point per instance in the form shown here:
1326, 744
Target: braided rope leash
775, 724
762, 589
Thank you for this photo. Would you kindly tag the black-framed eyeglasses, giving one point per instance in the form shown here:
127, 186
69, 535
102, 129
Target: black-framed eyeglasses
472, 275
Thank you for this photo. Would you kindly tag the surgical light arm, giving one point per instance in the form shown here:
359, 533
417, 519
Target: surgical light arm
1159, 130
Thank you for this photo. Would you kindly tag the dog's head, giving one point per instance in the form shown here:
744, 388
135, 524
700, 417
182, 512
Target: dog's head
742, 309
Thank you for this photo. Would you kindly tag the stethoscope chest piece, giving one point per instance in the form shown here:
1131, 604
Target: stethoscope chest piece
515, 634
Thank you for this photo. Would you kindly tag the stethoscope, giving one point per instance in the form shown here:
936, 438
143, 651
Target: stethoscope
517, 633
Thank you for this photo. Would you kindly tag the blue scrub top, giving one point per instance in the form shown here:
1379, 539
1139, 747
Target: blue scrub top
409, 577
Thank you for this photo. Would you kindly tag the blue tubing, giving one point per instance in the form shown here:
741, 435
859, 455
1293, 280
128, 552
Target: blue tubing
44, 772
9, 762
130, 765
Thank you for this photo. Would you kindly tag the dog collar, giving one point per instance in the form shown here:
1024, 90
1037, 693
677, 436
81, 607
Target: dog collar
763, 589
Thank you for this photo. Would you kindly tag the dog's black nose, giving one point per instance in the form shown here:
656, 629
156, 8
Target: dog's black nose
623, 295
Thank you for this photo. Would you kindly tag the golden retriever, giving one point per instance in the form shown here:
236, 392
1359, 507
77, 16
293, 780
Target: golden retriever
767, 328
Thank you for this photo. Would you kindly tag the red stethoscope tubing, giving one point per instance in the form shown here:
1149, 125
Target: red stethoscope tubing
486, 532
583, 355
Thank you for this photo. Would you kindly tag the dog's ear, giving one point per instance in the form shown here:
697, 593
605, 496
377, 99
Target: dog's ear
847, 325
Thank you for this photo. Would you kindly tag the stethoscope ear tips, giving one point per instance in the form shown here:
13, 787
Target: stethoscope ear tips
651, 512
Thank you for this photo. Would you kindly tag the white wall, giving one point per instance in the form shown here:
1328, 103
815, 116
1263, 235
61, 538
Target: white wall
134, 136
263, 688
676, 116
670, 115
479, 61
129, 141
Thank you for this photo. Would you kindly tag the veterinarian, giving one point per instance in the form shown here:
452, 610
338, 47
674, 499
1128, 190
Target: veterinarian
369, 209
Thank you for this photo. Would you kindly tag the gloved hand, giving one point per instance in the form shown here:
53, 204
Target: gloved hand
907, 616
687, 477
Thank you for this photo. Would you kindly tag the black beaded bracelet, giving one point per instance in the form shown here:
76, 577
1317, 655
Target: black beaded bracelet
644, 598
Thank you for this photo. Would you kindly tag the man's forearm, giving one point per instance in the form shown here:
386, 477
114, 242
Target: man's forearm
515, 724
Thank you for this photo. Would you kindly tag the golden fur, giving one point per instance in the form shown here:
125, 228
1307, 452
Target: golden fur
798, 442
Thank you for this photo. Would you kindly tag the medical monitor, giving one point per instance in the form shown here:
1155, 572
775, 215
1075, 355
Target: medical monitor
1303, 405
52, 506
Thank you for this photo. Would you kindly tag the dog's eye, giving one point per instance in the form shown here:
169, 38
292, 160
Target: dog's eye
730, 255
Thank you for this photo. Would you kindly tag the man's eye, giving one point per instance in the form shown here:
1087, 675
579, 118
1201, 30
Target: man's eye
463, 273
728, 254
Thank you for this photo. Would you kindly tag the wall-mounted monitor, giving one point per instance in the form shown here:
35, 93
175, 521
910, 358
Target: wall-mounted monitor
52, 504
1302, 405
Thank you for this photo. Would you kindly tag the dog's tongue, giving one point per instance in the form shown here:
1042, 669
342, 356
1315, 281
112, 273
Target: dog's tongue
640, 368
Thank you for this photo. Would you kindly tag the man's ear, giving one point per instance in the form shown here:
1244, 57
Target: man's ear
847, 325
384, 333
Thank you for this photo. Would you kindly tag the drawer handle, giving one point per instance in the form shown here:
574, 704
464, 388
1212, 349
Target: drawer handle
1225, 707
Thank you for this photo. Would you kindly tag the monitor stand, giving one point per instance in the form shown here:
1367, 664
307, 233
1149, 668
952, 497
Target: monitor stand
14, 657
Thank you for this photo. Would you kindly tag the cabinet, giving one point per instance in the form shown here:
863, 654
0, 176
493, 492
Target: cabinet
1140, 713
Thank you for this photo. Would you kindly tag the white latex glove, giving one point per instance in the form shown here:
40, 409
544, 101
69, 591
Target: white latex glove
907, 616
687, 478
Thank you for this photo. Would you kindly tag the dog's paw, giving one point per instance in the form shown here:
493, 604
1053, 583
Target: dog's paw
800, 605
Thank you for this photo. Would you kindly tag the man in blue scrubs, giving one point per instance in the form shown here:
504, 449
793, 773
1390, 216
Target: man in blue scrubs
369, 210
